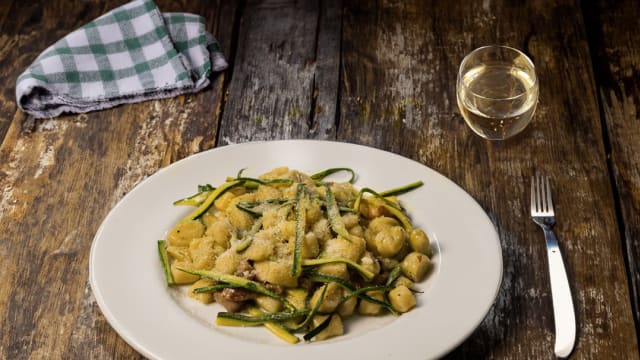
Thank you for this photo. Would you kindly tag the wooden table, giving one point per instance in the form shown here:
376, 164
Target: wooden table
374, 73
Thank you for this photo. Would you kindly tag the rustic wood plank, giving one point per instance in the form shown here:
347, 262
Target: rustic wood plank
326, 81
615, 49
5, 8
398, 93
7, 43
59, 178
285, 77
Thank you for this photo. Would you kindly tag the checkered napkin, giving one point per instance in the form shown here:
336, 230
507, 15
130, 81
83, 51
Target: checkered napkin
131, 54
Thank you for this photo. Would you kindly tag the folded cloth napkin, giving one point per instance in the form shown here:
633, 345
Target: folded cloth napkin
131, 54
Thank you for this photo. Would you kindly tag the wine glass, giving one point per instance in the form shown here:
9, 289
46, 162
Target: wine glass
497, 91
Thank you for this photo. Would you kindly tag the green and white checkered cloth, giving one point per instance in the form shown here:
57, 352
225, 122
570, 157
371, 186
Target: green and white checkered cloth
131, 54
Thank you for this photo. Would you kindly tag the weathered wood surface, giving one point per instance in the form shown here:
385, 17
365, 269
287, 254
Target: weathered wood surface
59, 178
285, 77
380, 74
399, 84
616, 49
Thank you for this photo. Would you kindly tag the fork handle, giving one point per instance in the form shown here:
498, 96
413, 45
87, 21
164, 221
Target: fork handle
563, 311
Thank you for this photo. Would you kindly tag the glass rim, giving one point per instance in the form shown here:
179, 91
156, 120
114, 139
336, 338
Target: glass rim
486, 47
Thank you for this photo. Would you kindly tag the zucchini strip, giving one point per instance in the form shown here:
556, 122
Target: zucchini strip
197, 199
264, 182
346, 209
361, 293
301, 214
359, 198
254, 204
313, 312
342, 206
366, 274
261, 318
252, 183
248, 210
164, 258
333, 213
215, 194
399, 214
355, 292
394, 274
275, 328
377, 199
318, 329
250, 207
222, 321
323, 174
402, 189
248, 238
320, 277
240, 282
213, 288
205, 187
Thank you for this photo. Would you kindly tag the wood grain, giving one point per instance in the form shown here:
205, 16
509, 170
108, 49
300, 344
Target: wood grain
399, 67
616, 50
59, 178
285, 77
5, 8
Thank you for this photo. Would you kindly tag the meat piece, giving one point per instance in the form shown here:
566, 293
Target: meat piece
380, 279
245, 270
306, 283
236, 294
278, 289
230, 306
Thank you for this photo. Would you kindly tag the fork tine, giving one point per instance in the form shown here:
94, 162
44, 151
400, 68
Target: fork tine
533, 195
548, 199
536, 204
535, 199
542, 206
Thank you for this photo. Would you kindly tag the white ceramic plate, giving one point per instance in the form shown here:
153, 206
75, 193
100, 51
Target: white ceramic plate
128, 283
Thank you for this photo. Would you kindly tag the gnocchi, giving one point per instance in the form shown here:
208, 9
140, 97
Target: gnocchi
297, 248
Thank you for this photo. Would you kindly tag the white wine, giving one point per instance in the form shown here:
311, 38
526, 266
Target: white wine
497, 100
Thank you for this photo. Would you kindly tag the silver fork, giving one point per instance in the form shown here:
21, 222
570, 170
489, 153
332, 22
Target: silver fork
563, 313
